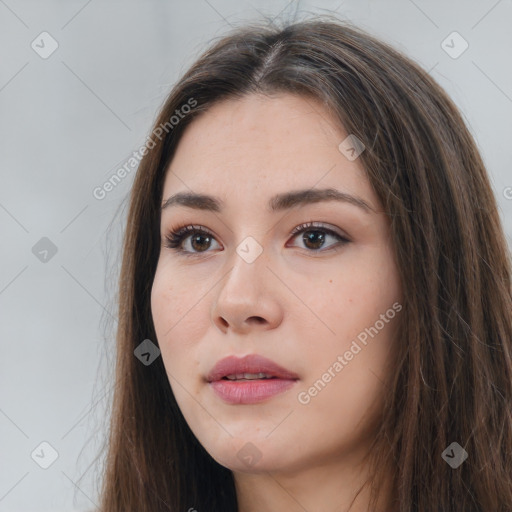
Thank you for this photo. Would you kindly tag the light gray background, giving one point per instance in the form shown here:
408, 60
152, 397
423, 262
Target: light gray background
68, 122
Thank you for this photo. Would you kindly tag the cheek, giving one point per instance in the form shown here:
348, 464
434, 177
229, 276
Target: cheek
357, 306
168, 304
166, 311
175, 312
353, 296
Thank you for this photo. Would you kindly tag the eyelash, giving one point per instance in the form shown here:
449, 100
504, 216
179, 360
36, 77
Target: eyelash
174, 239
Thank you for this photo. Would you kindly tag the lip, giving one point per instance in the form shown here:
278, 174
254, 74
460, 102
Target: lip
252, 363
249, 391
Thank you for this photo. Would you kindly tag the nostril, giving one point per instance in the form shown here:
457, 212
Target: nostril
257, 319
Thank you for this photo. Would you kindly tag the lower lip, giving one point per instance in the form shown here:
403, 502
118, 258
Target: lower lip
250, 391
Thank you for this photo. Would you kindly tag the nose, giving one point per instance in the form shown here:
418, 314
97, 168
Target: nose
248, 297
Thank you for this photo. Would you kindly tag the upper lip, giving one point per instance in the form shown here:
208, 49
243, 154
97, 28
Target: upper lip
252, 363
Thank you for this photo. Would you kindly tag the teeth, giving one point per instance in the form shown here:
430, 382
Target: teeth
248, 376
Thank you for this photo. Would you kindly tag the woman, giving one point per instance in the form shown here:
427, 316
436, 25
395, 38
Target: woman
369, 372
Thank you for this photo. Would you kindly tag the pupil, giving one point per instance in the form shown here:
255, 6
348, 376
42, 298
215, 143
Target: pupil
198, 237
311, 238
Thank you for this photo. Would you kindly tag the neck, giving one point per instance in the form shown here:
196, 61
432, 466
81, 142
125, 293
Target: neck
335, 487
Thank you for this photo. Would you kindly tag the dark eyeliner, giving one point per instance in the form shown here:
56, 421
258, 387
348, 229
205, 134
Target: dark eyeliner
174, 238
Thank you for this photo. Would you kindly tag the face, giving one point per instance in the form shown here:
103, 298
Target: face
307, 283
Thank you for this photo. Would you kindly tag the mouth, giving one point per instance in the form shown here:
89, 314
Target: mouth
248, 380
249, 376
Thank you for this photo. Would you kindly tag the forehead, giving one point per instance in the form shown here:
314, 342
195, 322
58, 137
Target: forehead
260, 145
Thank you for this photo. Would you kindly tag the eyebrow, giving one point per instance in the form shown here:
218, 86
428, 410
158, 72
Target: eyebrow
279, 202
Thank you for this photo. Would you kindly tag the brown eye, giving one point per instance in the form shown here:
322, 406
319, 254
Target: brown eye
314, 237
200, 240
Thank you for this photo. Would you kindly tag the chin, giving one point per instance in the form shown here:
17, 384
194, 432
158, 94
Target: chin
252, 455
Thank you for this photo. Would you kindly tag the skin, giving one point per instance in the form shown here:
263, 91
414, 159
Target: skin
298, 306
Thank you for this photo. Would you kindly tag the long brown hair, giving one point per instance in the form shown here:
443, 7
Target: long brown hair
451, 379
